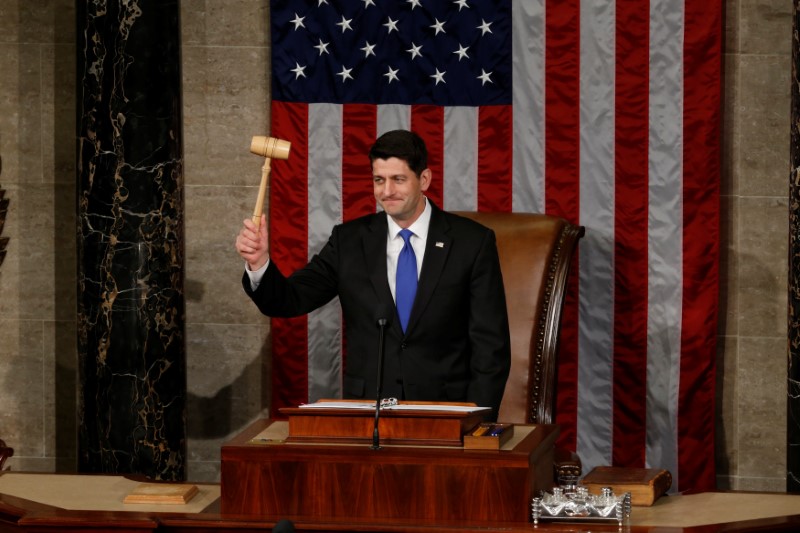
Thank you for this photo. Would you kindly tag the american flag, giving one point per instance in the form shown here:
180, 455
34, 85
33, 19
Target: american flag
604, 112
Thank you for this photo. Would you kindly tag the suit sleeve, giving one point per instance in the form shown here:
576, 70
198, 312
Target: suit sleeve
488, 329
305, 290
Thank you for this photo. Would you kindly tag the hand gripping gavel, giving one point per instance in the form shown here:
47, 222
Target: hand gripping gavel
271, 148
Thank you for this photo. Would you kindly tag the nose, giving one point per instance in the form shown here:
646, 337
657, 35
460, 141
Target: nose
388, 187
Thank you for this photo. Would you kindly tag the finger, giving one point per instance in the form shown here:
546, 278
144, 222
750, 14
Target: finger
245, 242
249, 232
250, 225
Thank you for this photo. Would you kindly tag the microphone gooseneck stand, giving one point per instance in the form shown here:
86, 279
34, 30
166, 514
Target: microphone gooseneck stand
376, 439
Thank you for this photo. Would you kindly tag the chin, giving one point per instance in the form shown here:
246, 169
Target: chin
390, 209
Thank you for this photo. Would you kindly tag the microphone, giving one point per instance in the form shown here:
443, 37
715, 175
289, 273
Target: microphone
382, 320
283, 526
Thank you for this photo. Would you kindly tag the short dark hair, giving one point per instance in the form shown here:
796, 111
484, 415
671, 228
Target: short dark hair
402, 144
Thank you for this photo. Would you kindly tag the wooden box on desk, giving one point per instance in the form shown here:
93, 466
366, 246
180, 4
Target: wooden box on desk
646, 485
271, 476
488, 436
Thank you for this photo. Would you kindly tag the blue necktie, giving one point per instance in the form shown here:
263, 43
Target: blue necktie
406, 287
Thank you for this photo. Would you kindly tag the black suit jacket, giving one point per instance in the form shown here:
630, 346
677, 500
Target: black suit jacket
456, 347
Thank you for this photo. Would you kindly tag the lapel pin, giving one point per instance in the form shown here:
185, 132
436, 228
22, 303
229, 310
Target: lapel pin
439, 244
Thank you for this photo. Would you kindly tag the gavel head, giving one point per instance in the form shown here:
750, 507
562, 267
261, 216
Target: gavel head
270, 147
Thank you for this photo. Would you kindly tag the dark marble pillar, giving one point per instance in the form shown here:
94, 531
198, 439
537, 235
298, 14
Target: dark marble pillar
793, 403
131, 346
3, 210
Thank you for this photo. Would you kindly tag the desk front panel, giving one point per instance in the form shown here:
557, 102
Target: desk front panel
395, 482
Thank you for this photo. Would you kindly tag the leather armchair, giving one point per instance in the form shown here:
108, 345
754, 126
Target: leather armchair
535, 255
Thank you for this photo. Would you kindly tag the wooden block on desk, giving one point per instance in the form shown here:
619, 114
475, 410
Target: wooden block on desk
646, 485
161, 493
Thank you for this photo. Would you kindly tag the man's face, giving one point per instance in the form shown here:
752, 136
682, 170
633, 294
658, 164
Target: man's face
398, 190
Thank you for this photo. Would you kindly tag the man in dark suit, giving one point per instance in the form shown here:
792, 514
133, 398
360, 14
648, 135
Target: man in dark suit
454, 344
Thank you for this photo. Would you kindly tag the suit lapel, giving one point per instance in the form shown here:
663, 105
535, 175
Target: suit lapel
437, 249
374, 242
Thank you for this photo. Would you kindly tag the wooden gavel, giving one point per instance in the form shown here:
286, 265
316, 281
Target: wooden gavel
271, 148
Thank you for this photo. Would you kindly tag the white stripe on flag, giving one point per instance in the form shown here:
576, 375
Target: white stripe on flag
527, 48
665, 242
460, 180
393, 117
596, 270
324, 211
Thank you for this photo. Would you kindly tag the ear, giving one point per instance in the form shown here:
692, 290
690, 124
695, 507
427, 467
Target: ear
425, 179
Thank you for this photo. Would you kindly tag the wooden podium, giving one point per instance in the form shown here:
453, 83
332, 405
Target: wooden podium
270, 472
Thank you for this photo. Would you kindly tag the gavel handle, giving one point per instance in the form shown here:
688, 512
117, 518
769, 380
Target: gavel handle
262, 192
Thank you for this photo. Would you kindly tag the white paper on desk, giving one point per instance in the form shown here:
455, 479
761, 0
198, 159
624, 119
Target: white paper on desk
398, 407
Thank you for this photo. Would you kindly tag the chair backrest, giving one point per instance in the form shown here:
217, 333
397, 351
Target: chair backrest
535, 255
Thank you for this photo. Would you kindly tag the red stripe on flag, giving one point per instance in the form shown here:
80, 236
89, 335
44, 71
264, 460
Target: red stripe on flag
359, 127
701, 171
427, 121
567, 405
562, 119
495, 146
288, 248
562, 186
631, 228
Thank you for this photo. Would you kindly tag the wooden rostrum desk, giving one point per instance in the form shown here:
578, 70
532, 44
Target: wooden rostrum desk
45, 502
266, 472
99, 500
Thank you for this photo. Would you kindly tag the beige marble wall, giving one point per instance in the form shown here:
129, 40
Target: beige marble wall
225, 102
37, 278
225, 66
751, 442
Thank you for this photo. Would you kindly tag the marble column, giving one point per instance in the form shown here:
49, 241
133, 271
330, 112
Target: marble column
793, 402
131, 318
3, 210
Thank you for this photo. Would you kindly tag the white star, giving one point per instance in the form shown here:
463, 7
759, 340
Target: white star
484, 77
345, 73
414, 50
438, 27
345, 24
392, 74
391, 25
298, 71
324, 2
322, 47
368, 50
484, 27
368, 3
439, 76
462, 52
414, 3
461, 3
298, 21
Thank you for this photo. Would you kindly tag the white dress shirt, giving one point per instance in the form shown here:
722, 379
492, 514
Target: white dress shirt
394, 243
